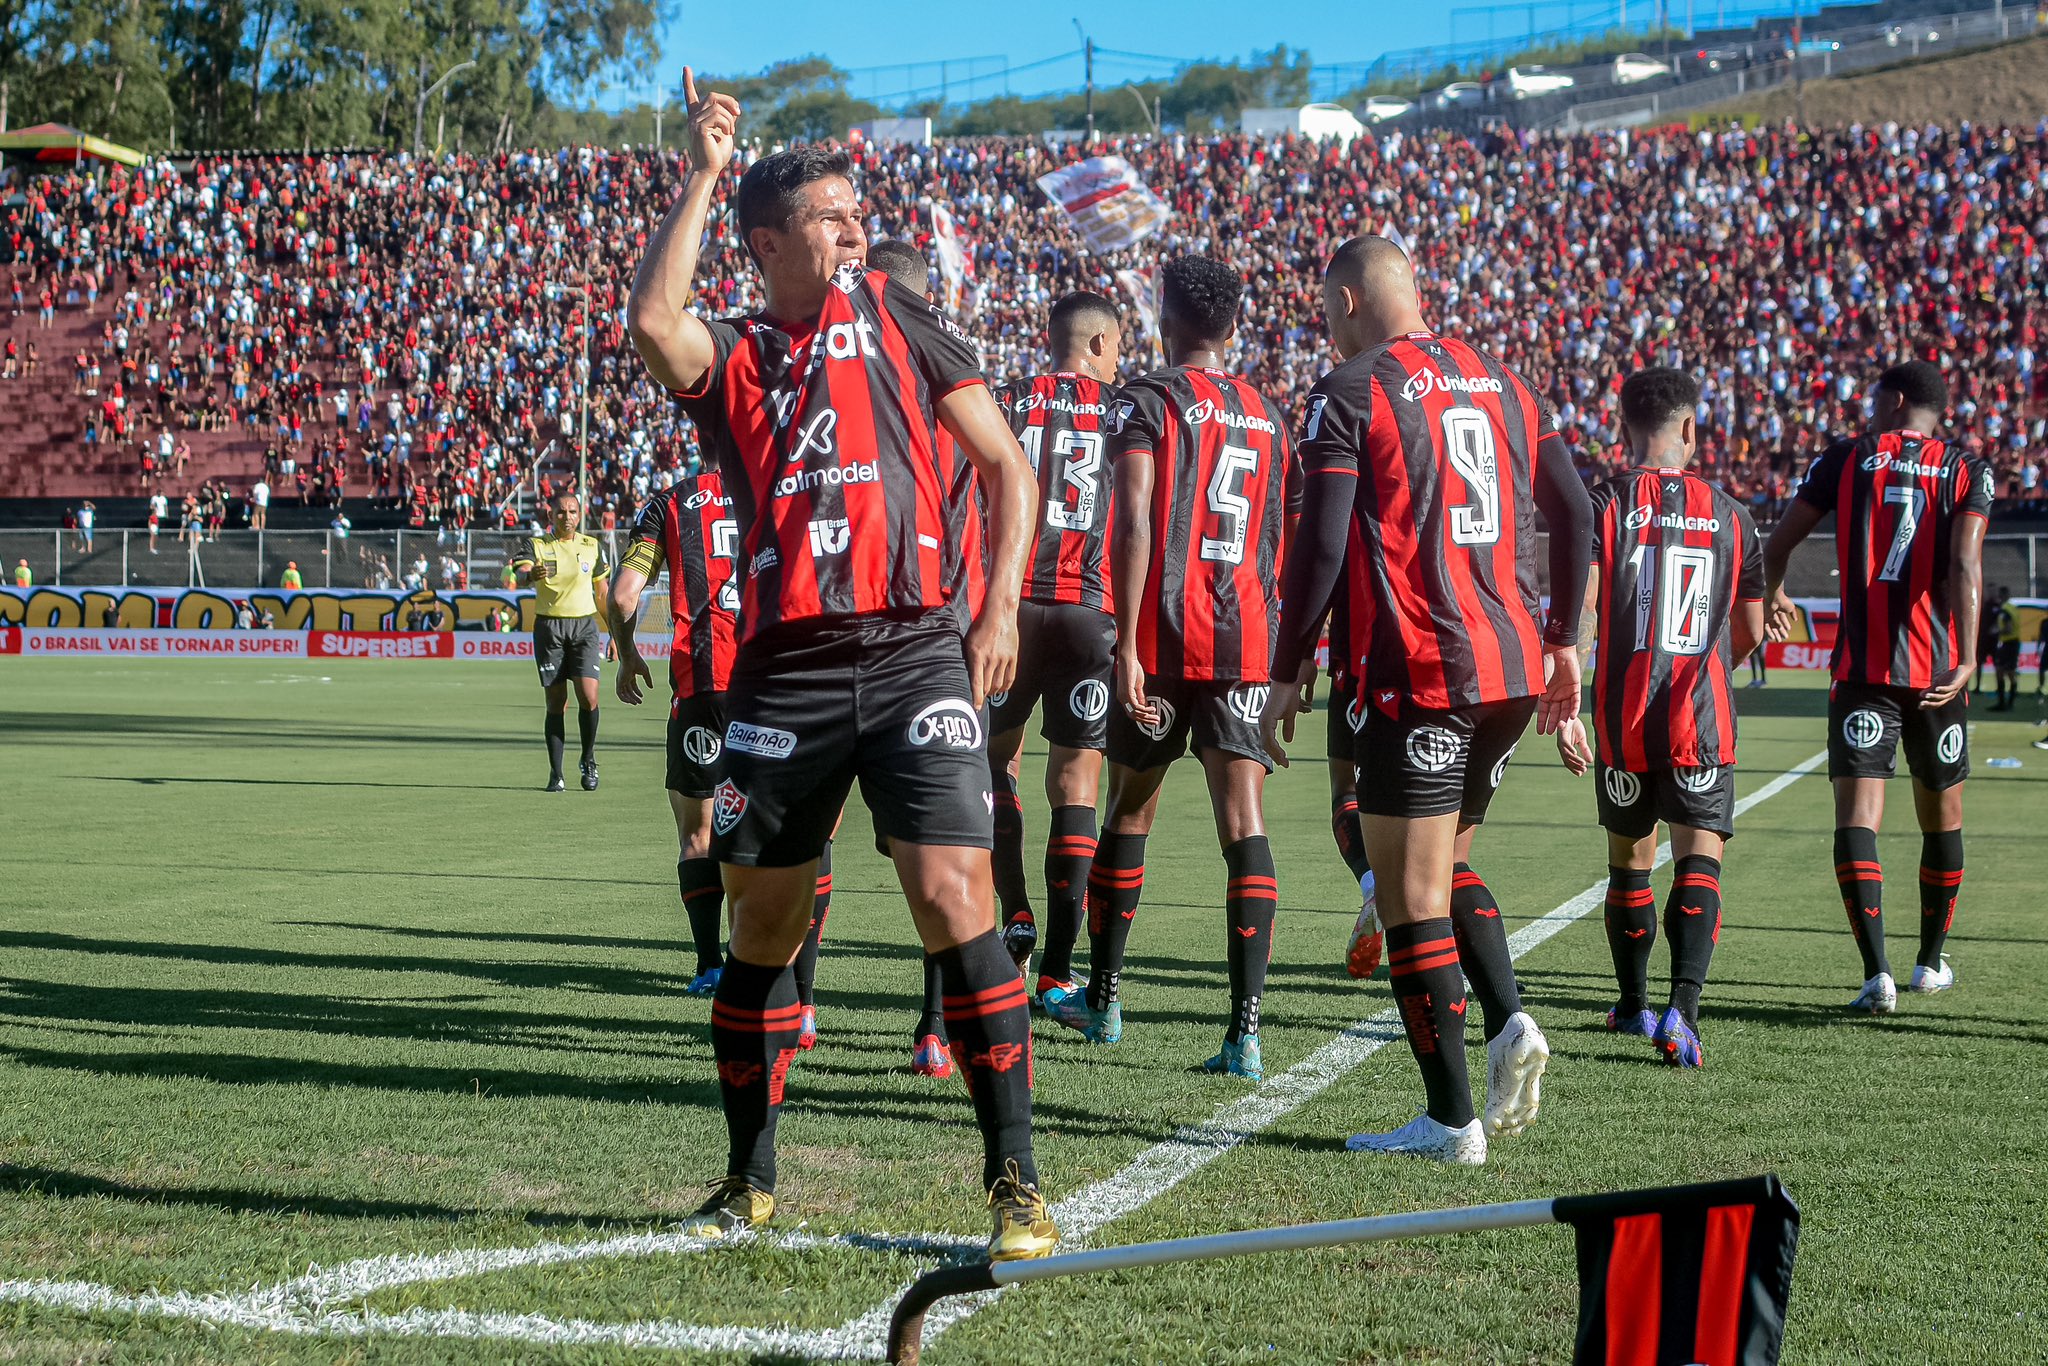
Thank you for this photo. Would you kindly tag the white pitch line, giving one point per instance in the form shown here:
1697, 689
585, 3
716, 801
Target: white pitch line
297, 1305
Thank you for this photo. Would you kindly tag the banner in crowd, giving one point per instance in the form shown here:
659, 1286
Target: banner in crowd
1143, 287
956, 262
1108, 205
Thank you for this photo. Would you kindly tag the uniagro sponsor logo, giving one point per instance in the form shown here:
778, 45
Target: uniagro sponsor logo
1205, 412
1639, 518
1428, 382
1880, 461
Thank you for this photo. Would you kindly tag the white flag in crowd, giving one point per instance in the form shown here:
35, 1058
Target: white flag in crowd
1103, 199
1393, 234
956, 262
1143, 287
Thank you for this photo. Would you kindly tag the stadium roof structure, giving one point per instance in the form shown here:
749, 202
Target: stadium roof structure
61, 142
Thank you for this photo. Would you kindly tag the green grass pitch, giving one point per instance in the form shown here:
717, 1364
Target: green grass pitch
298, 967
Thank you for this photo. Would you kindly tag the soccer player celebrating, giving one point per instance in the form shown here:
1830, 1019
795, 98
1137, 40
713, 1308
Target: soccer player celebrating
1205, 478
688, 528
1677, 571
1438, 457
1910, 511
567, 570
1066, 633
821, 411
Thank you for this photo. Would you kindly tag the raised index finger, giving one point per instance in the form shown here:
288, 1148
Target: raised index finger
689, 87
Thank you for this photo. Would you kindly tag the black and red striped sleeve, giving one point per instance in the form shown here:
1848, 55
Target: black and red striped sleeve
1976, 485
942, 350
1822, 486
1749, 583
1137, 419
1330, 454
702, 402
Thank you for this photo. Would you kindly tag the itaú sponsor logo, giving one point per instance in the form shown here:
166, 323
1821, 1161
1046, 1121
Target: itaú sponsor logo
1432, 382
1639, 518
1873, 463
1206, 412
832, 476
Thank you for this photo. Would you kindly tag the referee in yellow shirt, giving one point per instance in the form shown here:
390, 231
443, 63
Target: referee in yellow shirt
569, 574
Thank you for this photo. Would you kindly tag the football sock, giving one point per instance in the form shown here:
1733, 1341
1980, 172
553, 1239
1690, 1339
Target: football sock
1115, 881
1941, 879
1861, 878
1251, 898
932, 1019
703, 898
1422, 961
989, 1016
557, 732
1068, 854
586, 731
1344, 824
1013, 895
1692, 922
1483, 948
753, 1037
821, 906
1631, 931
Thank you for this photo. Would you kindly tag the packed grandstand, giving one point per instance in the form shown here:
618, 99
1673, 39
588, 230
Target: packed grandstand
373, 325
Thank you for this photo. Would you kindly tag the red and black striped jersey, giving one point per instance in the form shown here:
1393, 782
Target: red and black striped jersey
1224, 480
1444, 592
1895, 497
965, 509
691, 524
1675, 555
824, 432
1059, 421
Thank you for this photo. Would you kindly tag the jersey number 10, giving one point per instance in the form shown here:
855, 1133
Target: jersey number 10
1678, 593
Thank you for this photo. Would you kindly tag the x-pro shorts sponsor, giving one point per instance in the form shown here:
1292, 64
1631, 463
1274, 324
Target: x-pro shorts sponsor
814, 705
1211, 713
696, 743
1868, 721
1631, 804
1419, 761
1063, 656
567, 647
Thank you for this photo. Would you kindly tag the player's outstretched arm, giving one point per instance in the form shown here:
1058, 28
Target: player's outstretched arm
1800, 518
1572, 746
1007, 484
1745, 631
640, 565
674, 342
1966, 599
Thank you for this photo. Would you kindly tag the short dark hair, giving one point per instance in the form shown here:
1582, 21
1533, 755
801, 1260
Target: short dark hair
559, 494
1919, 382
901, 262
768, 193
1201, 294
1656, 396
1078, 316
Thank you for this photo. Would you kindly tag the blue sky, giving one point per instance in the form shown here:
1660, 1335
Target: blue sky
747, 37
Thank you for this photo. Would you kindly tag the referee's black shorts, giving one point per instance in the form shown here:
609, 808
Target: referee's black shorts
566, 648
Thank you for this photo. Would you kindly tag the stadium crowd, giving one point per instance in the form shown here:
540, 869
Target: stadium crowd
418, 332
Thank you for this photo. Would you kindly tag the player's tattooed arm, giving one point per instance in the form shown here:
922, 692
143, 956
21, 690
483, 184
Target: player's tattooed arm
675, 344
1966, 600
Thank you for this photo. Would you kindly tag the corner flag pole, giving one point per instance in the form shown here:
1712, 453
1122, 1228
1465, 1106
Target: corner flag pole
906, 1325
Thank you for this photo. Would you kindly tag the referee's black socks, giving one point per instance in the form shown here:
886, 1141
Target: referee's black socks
754, 1022
988, 1015
586, 731
556, 729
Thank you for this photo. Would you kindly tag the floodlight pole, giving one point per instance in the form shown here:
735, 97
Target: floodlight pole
419, 109
1088, 70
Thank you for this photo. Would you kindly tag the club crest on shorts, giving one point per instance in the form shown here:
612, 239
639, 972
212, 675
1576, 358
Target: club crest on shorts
950, 723
1166, 714
1248, 703
1432, 749
1089, 701
1862, 728
1697, 779
1950, 746
1623, 787
728, 804
700, 746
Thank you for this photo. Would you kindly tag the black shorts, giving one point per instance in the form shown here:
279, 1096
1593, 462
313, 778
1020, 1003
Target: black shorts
1063, 656
1347, 712
1867, 721
566, 648
1631, 804
1215, 714
696, 743
812, 707
2007, 657
1421, 762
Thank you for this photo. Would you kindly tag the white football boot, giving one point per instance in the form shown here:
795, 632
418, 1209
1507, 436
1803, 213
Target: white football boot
1514, 1076
1880, 995
1927, 981
1425, 1137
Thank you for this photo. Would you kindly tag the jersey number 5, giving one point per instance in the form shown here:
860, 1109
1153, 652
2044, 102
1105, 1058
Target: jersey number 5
1228, 505
1468, 439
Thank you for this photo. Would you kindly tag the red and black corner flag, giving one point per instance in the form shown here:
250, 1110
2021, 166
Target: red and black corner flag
1695, 1276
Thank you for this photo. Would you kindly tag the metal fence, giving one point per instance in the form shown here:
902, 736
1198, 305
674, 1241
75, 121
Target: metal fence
1861, 53
475, 559
258, 559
